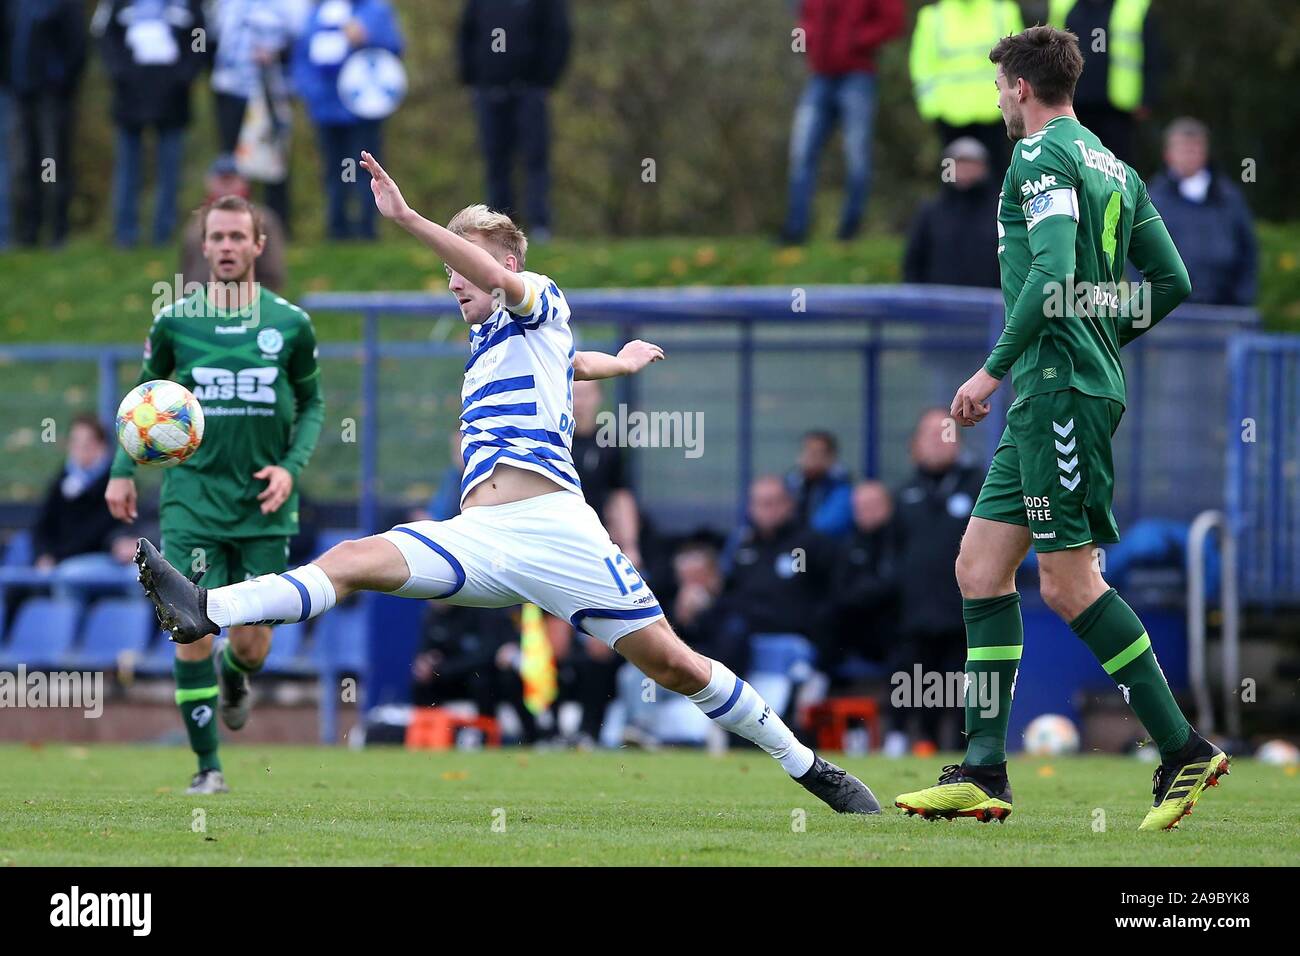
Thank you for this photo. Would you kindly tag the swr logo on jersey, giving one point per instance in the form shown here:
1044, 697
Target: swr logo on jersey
1034, 187
248, 384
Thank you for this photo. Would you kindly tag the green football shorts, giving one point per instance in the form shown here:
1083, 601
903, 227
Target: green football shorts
225, 560
1053, 472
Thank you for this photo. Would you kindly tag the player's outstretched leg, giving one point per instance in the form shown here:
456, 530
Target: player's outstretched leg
730, 702
1179, 782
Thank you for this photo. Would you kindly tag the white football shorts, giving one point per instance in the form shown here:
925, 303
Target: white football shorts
550, 550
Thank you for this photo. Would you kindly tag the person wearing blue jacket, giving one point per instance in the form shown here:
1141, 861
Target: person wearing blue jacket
335, 29
1208, 219
821, 487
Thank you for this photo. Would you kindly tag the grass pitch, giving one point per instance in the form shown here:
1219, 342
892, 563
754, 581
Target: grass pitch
100, 805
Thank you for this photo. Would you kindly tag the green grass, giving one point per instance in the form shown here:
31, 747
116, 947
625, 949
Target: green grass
91, 293
99, 805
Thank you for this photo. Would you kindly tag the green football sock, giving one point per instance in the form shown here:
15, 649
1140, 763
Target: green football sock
995, 636
1115, 635
196, 696
232, 666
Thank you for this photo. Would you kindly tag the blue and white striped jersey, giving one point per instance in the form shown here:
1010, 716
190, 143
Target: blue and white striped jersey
517, 400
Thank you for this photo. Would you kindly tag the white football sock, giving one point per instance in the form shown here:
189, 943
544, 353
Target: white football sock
731, 703
274, 598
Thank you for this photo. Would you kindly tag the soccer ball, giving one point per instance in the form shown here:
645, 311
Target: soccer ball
160, 424
1280, 753
1050, 735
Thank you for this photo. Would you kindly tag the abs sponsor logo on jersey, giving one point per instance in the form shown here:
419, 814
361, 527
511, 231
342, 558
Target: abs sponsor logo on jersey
246, 385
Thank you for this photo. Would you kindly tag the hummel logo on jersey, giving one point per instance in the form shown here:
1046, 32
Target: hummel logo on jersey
1069, 476
248, 384
1029, 155
1034, 187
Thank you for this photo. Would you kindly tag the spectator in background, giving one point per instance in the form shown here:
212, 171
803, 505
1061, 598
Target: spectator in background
603, 474
223, 179
703, 616
949, 62
953, 238
865, 584
253, 39
1121, 65
841, 38
471, 653
74, 535
1208, 219
47, 54
821, 487
152, 59
511, 53
777, 570
334, 30
932, 510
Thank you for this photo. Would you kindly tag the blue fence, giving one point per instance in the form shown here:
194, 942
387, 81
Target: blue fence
1263, 486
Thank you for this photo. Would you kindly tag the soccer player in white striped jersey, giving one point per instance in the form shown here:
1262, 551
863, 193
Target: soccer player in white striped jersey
524, 533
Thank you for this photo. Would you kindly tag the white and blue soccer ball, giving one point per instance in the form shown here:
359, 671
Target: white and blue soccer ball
1051, 735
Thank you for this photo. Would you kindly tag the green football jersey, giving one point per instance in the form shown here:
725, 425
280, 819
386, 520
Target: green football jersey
254, 372
1067, 334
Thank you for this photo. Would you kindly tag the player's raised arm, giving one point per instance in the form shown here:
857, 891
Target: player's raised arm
631, 358
475, 264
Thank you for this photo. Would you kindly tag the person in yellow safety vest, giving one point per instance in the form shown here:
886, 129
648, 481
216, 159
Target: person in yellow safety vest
1119, 41
952, 78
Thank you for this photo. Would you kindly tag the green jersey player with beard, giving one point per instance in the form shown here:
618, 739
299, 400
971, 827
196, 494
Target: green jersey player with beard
1071, 214
228, 512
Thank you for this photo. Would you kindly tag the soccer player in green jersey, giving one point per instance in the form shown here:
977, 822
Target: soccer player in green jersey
1070, 215
228, 512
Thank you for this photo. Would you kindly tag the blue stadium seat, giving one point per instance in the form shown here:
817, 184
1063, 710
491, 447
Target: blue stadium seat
341, 640
328, 537
286, 655
113, 626
160, 653
18, 551
42, 633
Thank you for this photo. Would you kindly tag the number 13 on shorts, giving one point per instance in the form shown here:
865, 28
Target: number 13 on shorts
624, 574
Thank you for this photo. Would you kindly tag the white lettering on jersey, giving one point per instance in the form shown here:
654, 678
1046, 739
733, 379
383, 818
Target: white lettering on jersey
1034, 187
247, 385
1103, 161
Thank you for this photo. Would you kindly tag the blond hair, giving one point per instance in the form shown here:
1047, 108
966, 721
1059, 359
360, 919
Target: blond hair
495, 227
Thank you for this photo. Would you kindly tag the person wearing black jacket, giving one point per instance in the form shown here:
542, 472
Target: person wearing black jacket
778, 570
46, 54
471, 653
74, 536
932, 510
511, 53
152, 56
865, 581
953, 238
